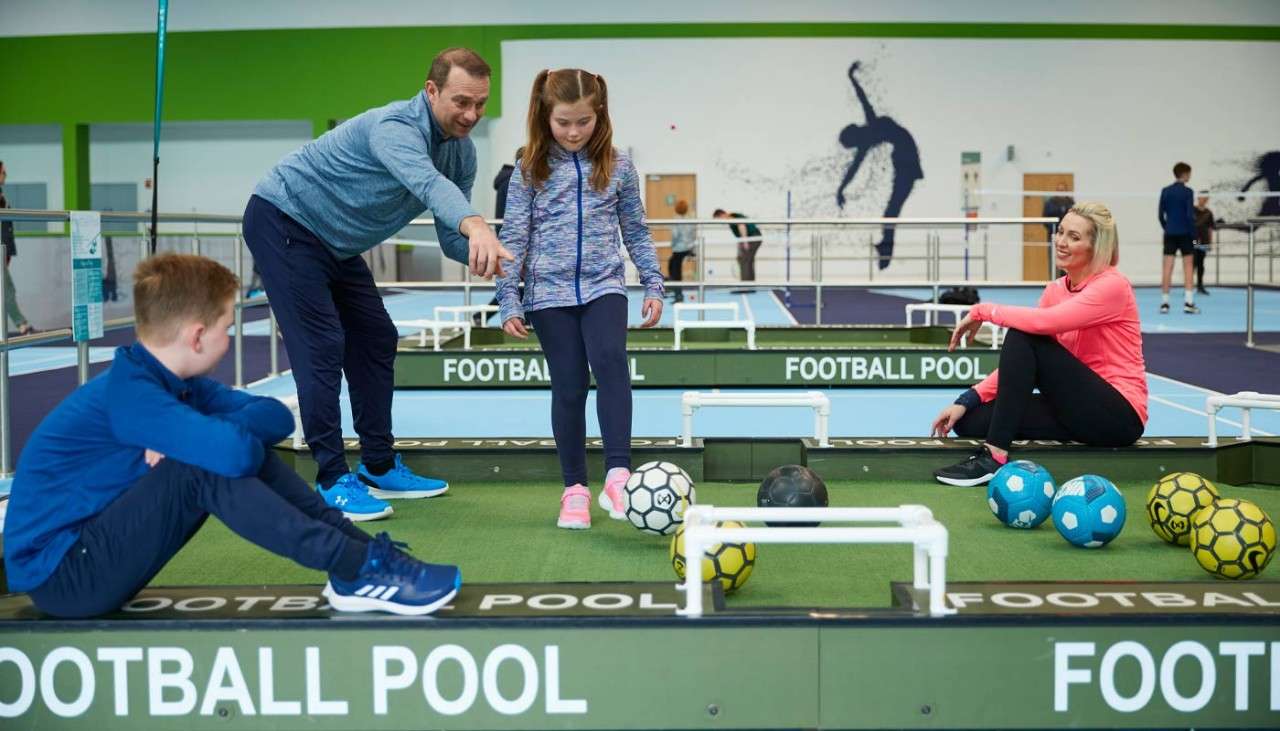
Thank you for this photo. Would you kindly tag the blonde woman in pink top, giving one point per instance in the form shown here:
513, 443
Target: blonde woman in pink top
1081, 348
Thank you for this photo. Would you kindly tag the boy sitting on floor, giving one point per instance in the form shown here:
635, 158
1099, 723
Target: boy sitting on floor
123, 472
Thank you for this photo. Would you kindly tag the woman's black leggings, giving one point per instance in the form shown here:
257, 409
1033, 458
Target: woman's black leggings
1074, 403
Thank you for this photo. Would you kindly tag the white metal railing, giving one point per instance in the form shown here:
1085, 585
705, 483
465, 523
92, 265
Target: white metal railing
914, 525
691, 401
934, 255
1250, 283
1246, 401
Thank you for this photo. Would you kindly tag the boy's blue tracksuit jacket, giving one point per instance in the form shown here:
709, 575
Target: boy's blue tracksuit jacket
89, 450
565, 237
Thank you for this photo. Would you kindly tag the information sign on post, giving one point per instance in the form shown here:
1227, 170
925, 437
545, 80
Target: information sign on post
86, 275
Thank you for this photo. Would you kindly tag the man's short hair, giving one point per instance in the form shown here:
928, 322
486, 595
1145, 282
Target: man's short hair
172, 290
465, 58
719, 212
1181, 169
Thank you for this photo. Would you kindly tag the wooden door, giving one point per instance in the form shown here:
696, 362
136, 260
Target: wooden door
1036, 245
660, 195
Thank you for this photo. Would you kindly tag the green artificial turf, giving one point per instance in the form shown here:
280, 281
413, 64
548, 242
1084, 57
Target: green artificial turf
503, 532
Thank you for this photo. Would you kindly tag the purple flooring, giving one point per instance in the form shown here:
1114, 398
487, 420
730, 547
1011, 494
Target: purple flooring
34, 395
1217, 361
846, 306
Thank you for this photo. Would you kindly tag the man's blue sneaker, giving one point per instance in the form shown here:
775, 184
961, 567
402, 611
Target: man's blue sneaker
400, 482
350, 496
393, 581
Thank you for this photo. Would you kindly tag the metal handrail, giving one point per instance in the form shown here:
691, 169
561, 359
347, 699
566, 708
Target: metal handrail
1254, 225
29, 214
60, 216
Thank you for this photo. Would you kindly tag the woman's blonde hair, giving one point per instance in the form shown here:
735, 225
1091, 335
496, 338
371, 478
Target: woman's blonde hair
1106, 239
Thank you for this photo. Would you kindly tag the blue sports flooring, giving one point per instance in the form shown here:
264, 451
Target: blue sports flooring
406, 305
415, 305
1175, 409
1223, 311
52, 357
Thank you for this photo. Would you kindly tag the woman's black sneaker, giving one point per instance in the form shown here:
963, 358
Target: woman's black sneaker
978, 469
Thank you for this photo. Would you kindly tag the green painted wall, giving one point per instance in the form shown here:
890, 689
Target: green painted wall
289, 74
322, 74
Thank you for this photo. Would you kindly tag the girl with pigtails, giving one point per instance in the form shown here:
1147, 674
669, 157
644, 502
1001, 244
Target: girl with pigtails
573, 204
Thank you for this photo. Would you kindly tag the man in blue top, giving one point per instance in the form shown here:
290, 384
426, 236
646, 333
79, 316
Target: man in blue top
308, 222
1178, 219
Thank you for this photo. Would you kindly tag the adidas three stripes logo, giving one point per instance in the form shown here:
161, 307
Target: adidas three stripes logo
377, 591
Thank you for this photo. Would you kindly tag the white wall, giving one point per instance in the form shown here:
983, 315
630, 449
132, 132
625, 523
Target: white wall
33, 154
210, 167
757, 117
41, 17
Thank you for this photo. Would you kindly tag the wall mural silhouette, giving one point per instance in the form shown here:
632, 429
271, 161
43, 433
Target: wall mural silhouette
1267, 167
904, 157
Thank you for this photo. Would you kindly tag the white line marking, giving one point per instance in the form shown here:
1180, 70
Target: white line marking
1183, 384
785, 312
1224, 420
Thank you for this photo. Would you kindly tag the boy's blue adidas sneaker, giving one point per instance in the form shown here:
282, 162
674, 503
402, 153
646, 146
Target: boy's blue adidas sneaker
354, 500
393, 581
400, 482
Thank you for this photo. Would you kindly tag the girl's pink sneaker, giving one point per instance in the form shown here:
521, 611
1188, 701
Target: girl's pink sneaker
611, 496
575, 508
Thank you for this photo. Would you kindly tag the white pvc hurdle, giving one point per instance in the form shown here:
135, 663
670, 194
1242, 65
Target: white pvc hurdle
1245, 401
463, 312
915, 525
435, 327
445, 318
958, 312
735, 320
691, 401
296, 410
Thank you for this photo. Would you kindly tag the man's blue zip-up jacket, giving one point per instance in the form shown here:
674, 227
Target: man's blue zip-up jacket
90, 448
565, 237
361, 182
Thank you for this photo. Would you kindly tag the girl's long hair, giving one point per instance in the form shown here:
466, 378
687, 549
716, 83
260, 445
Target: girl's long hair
567, 86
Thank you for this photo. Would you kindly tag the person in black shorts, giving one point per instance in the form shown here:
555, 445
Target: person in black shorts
1178, 219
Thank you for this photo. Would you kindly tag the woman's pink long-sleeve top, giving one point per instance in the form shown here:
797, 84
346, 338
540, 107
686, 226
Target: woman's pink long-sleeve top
1096, 322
